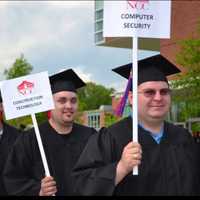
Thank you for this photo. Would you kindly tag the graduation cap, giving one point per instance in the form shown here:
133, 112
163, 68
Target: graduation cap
66, 80
154, 68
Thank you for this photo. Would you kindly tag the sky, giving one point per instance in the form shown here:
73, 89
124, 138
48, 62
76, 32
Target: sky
57, 35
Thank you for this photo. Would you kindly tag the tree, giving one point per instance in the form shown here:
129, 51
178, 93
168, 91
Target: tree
188, 84
20, 68
93, 96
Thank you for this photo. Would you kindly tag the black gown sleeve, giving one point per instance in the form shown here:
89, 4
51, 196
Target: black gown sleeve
95, 170
19, 172
10, 135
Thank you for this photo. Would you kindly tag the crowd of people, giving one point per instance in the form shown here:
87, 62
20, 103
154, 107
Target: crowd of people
85, 162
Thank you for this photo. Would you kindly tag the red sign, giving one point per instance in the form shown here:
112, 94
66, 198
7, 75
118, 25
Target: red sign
138, 4
25, 87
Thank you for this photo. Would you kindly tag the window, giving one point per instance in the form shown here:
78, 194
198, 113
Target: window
98, 15
99, 26
99, 37
94, 120
98, 4
99, 22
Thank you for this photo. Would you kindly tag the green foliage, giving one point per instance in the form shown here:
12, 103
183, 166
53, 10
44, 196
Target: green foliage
20, 68
41, 117
188, 110
188, 85
20, 121
78, 118
110, 119
93, 96
196, 127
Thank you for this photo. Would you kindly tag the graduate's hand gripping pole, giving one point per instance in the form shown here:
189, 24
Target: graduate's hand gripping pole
41, 148
135, 95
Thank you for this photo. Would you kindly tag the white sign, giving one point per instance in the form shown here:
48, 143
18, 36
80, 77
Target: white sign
27, 95
137, 18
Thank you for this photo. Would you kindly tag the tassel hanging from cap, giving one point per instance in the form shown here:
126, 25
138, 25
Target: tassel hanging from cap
120, 107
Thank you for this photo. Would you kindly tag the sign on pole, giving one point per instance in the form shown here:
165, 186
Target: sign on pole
137, 18
28, 95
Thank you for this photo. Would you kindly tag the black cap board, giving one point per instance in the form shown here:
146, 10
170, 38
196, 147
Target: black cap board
66, 80
154, 68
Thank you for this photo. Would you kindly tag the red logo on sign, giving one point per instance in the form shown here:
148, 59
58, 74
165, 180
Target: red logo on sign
138, 4
25, 87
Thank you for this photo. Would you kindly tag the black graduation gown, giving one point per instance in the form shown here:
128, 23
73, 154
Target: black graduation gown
24, 169
7, 140
168, 168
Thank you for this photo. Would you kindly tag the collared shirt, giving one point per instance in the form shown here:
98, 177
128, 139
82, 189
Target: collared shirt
156, 136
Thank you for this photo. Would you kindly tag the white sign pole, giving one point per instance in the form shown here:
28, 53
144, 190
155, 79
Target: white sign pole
41, 148
135, 95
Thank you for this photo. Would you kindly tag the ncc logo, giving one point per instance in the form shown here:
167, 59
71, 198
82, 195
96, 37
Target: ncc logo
138, 4
25, 88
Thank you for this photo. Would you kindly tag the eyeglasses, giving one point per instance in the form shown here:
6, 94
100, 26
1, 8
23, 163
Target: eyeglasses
150, 93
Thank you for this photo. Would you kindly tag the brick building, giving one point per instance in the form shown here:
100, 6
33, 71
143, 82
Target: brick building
184, 22
96, 118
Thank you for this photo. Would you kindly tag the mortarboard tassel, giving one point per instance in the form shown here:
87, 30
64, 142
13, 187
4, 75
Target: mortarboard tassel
120, 107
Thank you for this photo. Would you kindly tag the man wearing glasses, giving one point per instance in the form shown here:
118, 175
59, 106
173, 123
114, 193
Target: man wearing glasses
166, 154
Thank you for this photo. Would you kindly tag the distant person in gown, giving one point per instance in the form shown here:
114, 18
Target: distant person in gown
63, 141
165, 154
8, 136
